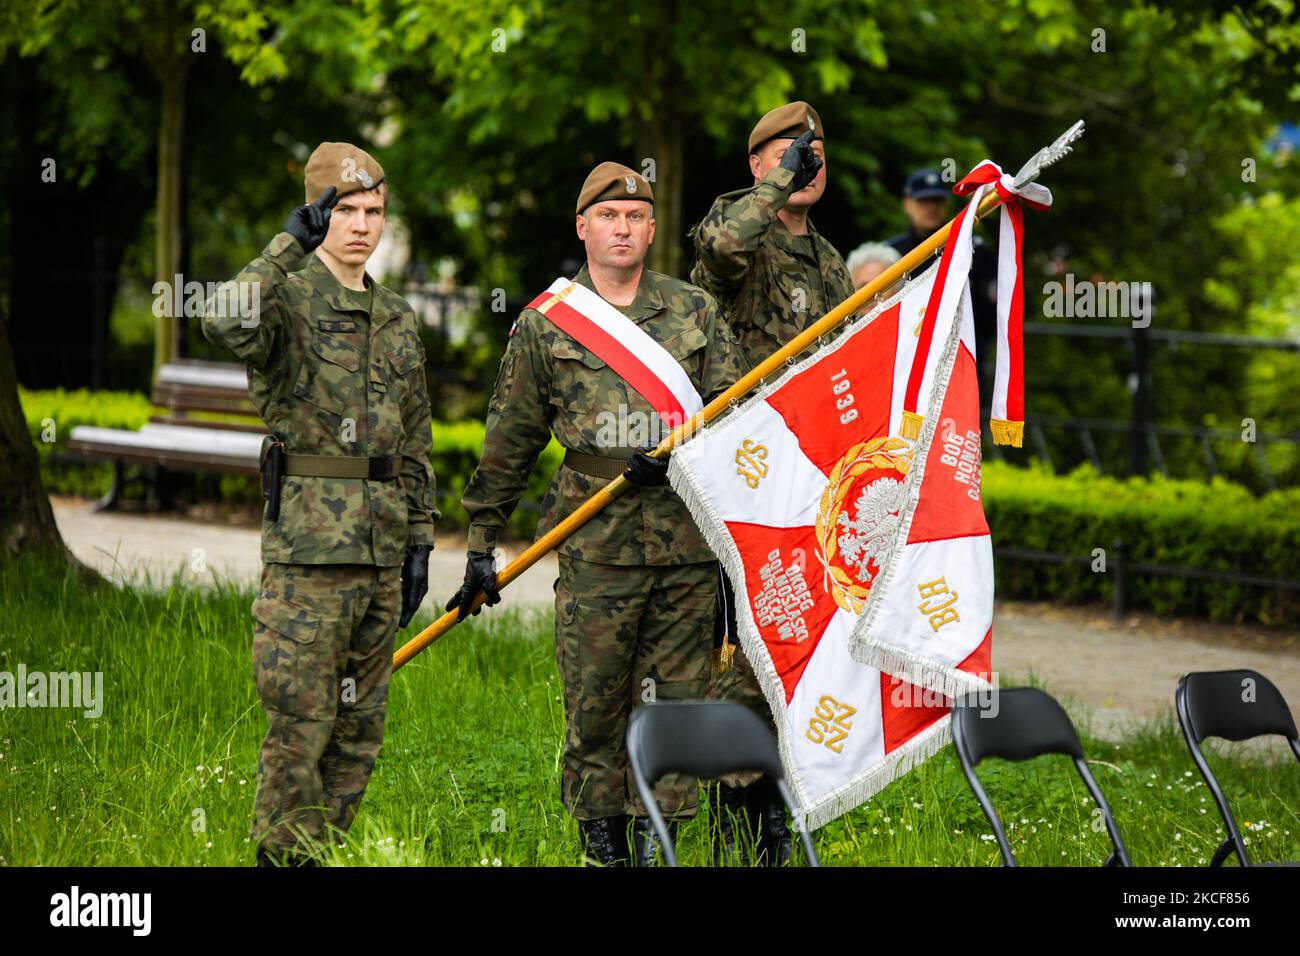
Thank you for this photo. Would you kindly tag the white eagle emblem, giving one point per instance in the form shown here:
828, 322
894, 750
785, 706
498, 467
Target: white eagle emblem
631, 183
811, 124
363, 177
869, 535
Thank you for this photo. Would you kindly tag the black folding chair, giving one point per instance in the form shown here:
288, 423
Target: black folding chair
705, 739
1026, 723
1234, 705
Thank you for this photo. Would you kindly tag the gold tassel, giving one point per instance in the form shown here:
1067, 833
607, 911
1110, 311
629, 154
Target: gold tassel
911, 427
1007, 433
725, 652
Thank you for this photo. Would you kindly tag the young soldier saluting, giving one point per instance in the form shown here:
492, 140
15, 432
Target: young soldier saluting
336, 370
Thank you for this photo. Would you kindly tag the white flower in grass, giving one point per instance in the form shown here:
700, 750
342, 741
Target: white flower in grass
1178, 836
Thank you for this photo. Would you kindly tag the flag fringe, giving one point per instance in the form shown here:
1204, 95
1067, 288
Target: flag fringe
822, 810
897, 762
1007, 433
864, 646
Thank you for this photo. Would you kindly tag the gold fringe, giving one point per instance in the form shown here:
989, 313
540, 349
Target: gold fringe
725, 653
911, 427
1007, 433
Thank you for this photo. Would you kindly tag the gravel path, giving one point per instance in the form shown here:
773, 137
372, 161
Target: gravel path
1112, 672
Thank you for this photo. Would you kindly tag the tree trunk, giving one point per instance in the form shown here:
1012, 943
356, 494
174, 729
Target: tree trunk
26, 519
170, 70
659, 137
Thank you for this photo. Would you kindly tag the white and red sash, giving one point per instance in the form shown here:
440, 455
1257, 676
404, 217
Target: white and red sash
624, 346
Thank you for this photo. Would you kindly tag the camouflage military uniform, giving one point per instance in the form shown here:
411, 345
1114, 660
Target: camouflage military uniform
637, 591
771, 286
339, 374
770, 283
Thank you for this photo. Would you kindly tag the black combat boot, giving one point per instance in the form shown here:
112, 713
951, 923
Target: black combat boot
283, 857
649, 852
775, 845
604, 840
733, 826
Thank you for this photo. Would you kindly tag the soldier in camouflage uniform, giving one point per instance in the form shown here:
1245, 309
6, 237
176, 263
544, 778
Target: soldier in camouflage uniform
336, 370
637, 592
774, 275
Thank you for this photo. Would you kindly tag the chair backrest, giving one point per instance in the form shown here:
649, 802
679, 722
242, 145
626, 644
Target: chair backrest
1234, 705
703, 738
1018, 724
1024, 723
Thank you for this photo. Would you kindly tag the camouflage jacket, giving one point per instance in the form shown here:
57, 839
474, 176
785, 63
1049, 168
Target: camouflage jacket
330, 379
770, 284
548, 383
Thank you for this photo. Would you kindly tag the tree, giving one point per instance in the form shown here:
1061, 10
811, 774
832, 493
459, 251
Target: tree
26, 518
662, 70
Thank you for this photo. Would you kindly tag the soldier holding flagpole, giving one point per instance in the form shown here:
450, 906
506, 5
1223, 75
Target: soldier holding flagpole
617, 356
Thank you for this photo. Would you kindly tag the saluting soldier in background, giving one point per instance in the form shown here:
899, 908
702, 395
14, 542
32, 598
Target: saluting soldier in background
637, 593
774, 275
336, 370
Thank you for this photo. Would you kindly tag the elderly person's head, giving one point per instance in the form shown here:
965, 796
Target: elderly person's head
869, 260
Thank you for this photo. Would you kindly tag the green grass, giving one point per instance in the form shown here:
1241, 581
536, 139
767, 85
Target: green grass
166, 775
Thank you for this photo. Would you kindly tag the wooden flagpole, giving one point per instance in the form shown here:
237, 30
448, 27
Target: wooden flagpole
805, 339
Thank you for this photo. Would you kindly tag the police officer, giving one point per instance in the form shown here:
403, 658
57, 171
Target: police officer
336, 370
926, 199
774, 275
636, 597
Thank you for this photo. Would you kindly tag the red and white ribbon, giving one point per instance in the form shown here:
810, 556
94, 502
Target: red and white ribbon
1007, 412
624, 346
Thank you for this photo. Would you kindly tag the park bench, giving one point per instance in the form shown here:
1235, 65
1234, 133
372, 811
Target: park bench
178, 441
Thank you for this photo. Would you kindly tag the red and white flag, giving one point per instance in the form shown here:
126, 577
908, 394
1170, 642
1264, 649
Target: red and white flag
802, 492
930, 610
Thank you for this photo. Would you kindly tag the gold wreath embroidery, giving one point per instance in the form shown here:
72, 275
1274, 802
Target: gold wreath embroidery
885, 453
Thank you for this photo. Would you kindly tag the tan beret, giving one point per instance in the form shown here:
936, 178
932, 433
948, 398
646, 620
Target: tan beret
787, 122
347, 168
614, 181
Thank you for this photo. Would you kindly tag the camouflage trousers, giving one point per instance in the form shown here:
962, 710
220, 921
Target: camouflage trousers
322, 657
625, 635
739, 684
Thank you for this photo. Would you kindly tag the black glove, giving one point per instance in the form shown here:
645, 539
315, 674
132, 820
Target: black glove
646, 472
800, 159
309, 224
415, 580
480, 575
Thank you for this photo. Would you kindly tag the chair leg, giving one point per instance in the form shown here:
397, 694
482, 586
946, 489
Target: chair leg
1222, 853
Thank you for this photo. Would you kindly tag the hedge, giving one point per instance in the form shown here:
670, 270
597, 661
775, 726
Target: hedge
1215, 526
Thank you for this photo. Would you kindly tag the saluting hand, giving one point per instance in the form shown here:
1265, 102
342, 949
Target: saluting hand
801, 159
309, 224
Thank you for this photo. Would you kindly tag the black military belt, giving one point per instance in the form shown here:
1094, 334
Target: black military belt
380, 468
597, 466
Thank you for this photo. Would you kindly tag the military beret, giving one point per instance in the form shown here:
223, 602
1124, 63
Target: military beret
614, 181
786, 122
343, 166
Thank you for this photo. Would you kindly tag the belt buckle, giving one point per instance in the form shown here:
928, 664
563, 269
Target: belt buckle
381, 468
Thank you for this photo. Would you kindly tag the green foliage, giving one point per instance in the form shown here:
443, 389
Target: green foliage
468, 774
1215, 527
